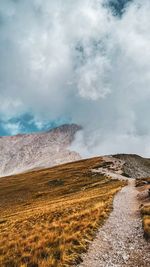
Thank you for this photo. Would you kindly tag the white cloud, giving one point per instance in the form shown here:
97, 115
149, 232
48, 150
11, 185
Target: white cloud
74, 57
12, 128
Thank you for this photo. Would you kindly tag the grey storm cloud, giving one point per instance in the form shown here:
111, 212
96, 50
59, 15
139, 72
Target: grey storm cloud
78, 59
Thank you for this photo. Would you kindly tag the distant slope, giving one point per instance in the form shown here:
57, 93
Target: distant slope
22, 153
29, 151
134, 165
125, 165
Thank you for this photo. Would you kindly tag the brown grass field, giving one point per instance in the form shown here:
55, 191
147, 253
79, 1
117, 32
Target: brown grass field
145, 207
48, 217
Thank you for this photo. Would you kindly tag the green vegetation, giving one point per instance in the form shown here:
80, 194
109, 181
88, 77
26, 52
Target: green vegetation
49, 216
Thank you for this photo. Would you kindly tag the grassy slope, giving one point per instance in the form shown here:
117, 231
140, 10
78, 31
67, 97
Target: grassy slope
145, 208
49, 216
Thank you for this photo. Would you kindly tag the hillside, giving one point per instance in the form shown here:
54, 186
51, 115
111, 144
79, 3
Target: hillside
49, 216
26, 152
134, 165
29, 151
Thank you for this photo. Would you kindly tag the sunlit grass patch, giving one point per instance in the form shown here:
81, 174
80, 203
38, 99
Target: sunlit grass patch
49, 216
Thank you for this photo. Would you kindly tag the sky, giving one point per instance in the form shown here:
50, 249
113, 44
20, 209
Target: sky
84, 62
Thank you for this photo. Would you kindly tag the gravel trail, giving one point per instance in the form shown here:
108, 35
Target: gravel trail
120, 241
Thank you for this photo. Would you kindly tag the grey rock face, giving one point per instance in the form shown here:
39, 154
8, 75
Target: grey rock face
33, 151
135, 166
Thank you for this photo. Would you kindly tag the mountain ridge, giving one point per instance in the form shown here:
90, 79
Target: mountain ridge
24, 152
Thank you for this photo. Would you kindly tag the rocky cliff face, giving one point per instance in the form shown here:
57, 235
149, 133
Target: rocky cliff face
29, 151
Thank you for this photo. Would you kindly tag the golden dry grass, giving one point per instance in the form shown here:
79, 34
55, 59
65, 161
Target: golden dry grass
49, 216
145, 210
146, 225
144, 184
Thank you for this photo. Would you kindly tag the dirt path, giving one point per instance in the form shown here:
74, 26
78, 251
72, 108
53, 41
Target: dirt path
120, 241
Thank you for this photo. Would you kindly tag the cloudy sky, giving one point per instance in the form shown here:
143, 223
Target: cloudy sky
83, 61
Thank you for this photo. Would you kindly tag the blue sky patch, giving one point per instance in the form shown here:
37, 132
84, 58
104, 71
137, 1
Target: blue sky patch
28, 124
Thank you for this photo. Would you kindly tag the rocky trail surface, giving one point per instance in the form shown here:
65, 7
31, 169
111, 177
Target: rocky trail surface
120, 241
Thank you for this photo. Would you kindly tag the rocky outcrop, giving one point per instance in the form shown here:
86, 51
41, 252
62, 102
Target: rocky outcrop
134, 165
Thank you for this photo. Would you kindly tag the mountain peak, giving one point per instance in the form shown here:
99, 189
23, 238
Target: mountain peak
24, 152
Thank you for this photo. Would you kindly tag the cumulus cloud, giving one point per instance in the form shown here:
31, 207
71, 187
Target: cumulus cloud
79, 60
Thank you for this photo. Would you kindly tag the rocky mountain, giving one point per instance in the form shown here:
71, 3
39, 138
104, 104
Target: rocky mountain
134, 166
125, 165
24, 152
